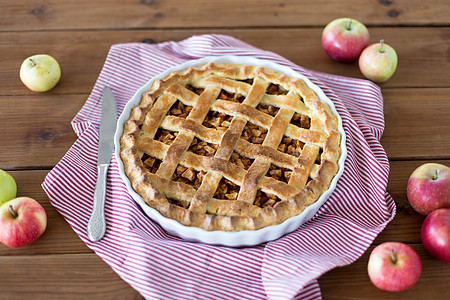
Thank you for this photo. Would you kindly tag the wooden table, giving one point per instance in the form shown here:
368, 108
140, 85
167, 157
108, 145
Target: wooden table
36, 131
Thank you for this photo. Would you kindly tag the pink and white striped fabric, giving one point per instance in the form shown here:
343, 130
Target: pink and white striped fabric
161, 266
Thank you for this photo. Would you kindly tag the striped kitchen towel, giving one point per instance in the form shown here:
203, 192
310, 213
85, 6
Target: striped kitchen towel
162, 266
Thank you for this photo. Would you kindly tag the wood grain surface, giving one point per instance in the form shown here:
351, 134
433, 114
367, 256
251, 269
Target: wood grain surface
119, 14
36, 131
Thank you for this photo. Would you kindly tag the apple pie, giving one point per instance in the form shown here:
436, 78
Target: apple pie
230, 147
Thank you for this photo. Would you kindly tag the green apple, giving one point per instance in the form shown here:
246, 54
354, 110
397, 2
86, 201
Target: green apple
378, 62
8, 187
40, 73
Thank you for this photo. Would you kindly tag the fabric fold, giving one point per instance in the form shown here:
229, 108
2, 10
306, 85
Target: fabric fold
161, 266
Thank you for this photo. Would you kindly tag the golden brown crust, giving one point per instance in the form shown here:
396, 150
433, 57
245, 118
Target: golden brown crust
292, 179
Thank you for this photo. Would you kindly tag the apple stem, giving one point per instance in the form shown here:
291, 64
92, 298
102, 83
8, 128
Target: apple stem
382, 46
13, 212
33, 62
350, 24
435, 175
393, 256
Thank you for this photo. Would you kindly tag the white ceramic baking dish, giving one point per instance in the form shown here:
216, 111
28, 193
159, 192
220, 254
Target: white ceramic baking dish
239, 238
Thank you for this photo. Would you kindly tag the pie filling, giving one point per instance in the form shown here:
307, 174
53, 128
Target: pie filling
264, 162
227, 190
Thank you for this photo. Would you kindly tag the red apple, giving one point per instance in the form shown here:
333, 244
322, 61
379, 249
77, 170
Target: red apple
22, 221
435, 234
343, 39
428, 188
394, 266
378, 62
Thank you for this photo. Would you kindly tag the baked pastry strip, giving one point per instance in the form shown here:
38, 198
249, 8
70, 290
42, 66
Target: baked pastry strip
227, 169
260, 166
302, 170
154, 117
184, 140
211, 180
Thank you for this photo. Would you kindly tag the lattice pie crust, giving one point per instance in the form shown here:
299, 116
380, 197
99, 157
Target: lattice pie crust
230, 147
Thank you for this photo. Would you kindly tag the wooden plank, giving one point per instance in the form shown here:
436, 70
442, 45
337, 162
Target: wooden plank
422, 63
59, 238
58, 274
118, 14
352, 282
82, 276
70, 276
417, 123
38, 130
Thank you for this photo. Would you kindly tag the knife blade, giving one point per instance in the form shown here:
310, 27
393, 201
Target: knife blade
97, 224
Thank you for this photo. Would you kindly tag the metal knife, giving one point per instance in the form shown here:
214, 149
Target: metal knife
97, 224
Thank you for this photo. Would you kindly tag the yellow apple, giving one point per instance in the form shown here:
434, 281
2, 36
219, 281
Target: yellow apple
40, 73
378, 62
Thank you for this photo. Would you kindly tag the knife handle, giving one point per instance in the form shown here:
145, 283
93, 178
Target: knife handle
97, 224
